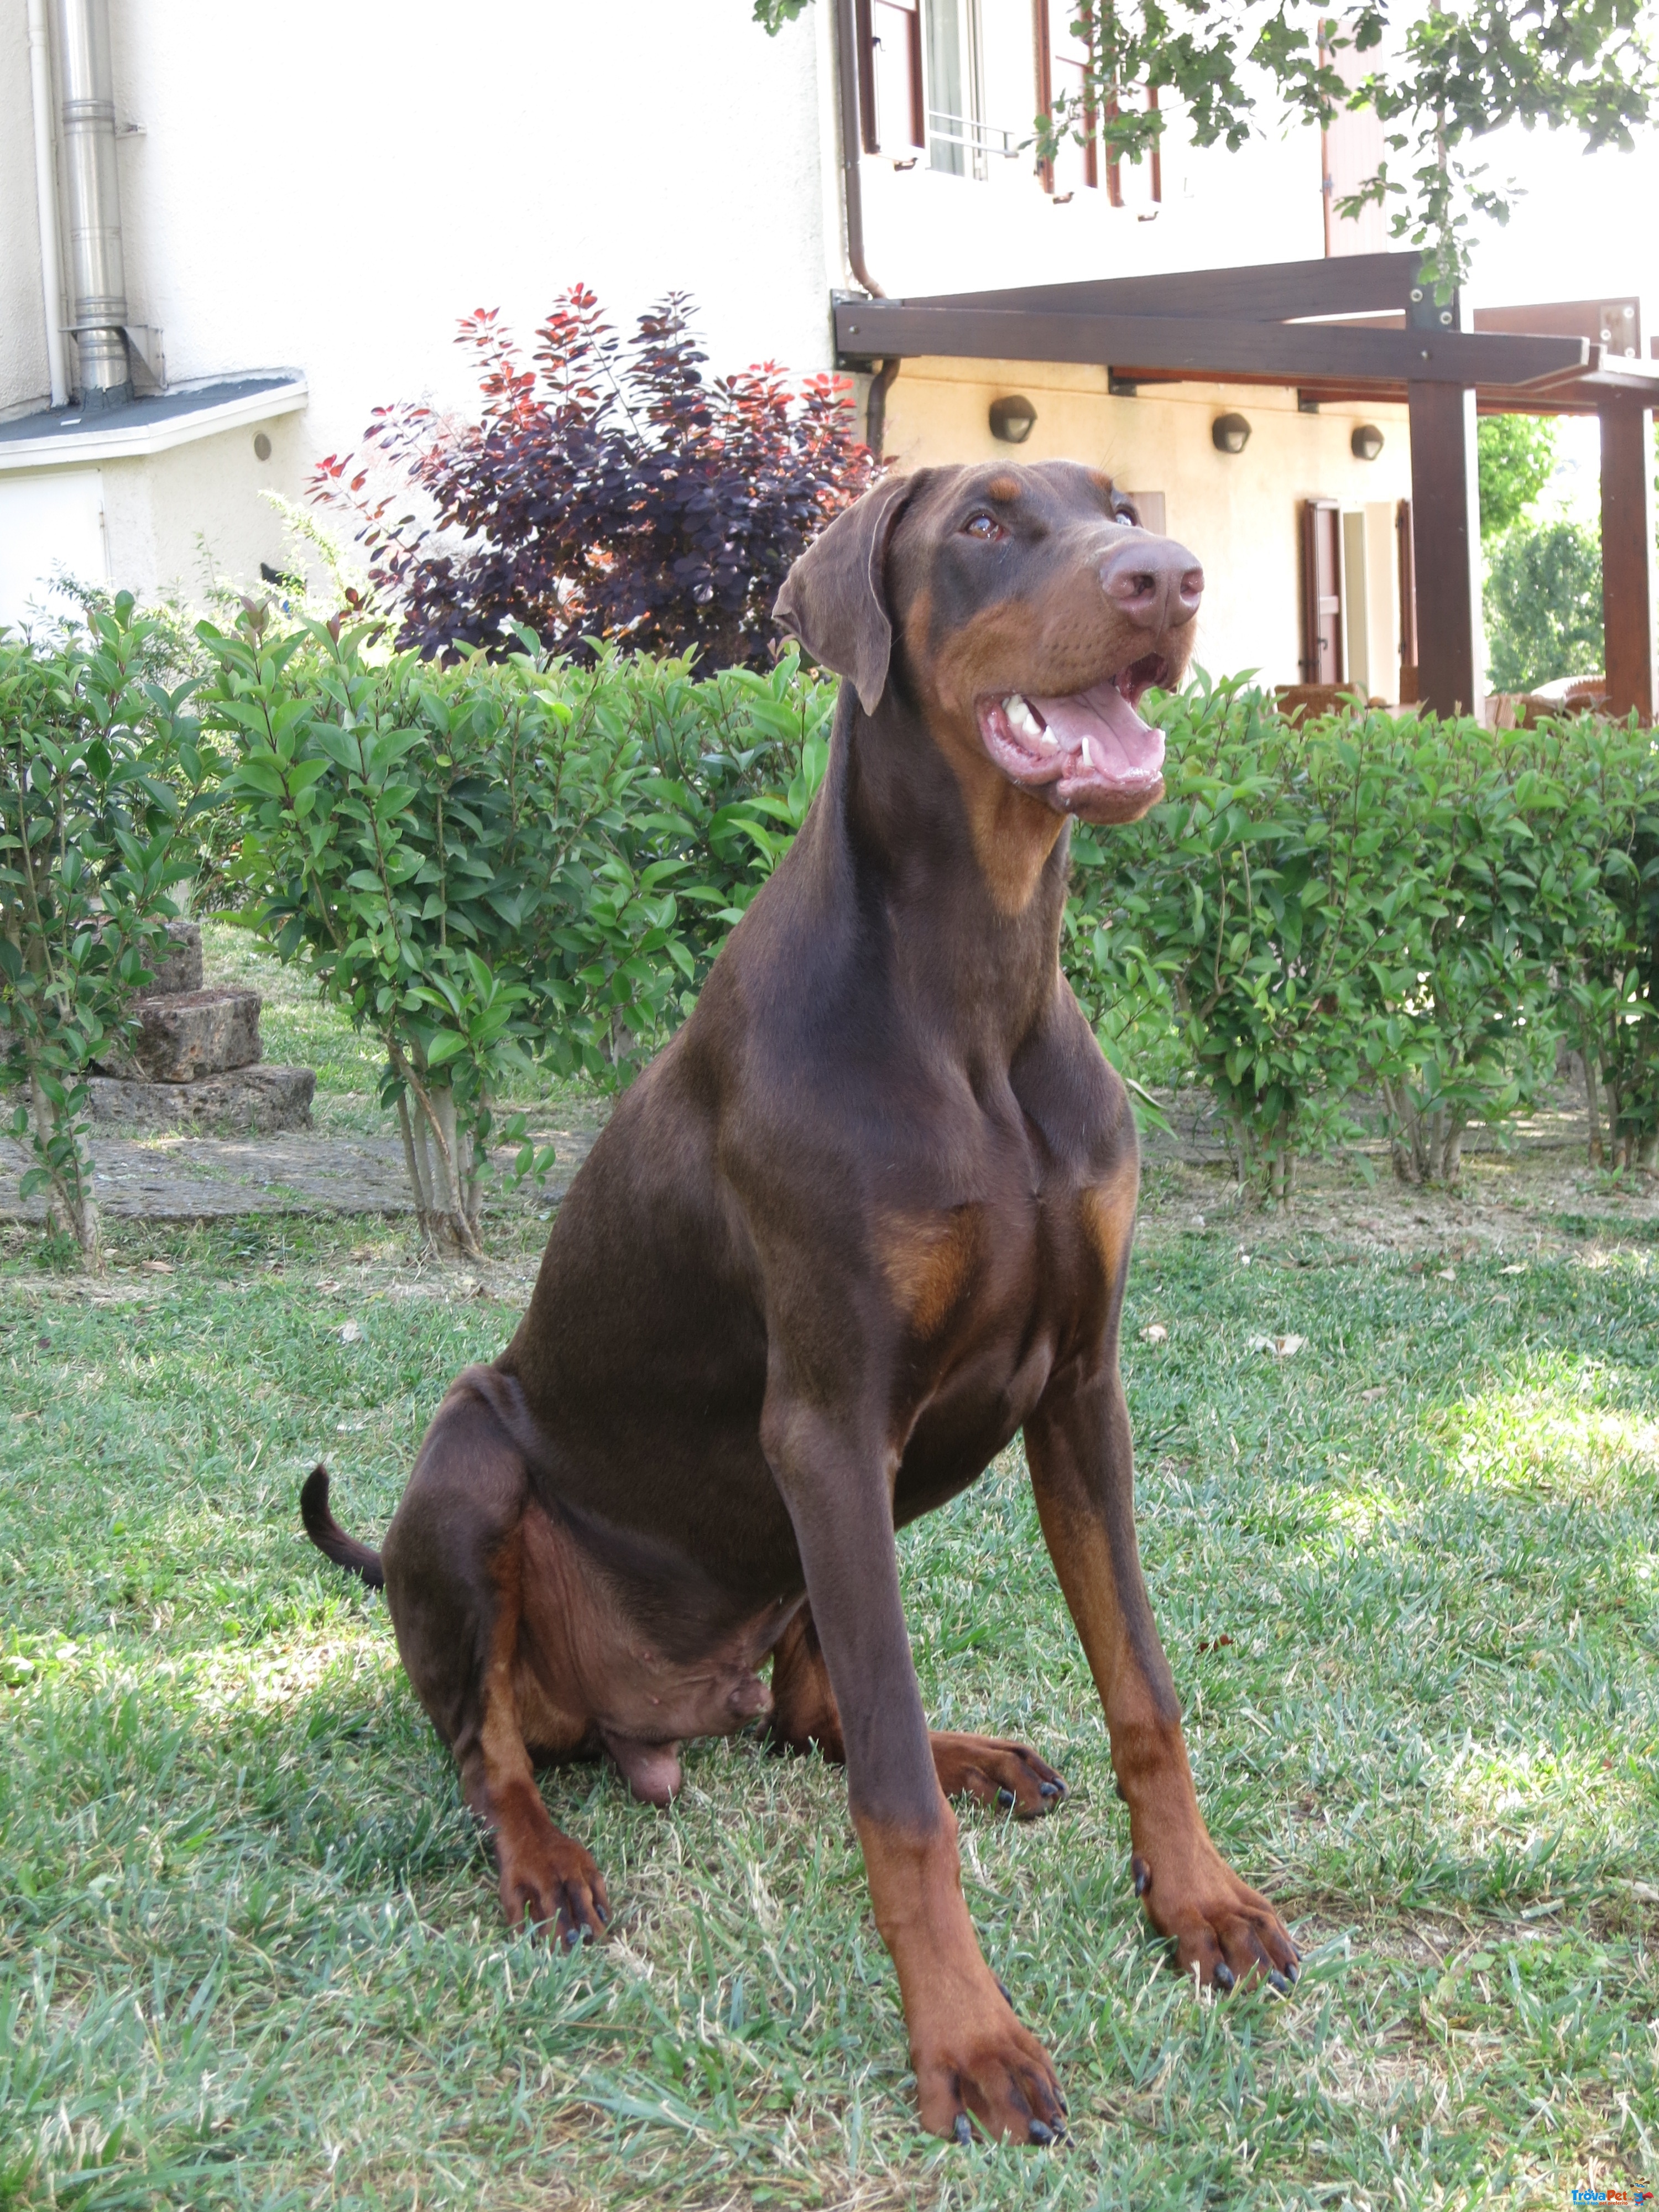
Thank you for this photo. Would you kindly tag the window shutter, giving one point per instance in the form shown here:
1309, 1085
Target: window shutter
1402, 522
895, 49
1062, 65
1145, 179
1321, 591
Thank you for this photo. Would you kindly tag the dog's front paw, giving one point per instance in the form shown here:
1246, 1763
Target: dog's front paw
1219, 1924
976, 2059
1005, 1775
553, 1884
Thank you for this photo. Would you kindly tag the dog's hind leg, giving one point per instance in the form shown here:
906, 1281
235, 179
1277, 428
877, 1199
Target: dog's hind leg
454, 1559
1007, 1776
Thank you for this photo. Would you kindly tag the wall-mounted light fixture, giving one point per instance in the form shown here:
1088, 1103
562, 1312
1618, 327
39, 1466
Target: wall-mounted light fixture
1366, 442
1012, 419
1229, 434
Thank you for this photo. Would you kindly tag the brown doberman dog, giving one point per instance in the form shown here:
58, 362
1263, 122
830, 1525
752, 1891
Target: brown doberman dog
865, 1217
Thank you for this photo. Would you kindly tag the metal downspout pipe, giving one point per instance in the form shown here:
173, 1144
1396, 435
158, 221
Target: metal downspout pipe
852, 179
98, 282
852, 144
45, 201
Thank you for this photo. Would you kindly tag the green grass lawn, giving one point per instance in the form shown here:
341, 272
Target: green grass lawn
1409, 1581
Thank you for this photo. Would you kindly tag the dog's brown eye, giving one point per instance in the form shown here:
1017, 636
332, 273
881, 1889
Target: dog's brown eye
983, 526
1127, 513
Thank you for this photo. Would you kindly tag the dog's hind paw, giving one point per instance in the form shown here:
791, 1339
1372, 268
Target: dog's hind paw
1008, 1776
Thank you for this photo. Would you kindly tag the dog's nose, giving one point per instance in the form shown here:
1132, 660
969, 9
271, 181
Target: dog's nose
1156, 582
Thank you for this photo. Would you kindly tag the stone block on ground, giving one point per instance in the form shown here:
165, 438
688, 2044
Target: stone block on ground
245, 1101
181, 968
189, 1035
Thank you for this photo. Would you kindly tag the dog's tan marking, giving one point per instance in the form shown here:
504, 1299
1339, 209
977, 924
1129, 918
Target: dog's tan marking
966, 2045
1108, 1213
1002, 488
929, 1261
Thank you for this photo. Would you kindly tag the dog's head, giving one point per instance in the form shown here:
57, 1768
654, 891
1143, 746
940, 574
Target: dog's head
1022, 611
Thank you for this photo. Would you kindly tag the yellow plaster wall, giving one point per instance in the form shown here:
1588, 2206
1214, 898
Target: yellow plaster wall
1239, 515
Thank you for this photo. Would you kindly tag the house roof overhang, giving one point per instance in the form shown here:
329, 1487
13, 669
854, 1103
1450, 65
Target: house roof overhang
1360, 328
65, 437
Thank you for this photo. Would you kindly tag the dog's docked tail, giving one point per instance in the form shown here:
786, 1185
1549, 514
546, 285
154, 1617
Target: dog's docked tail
326, 1533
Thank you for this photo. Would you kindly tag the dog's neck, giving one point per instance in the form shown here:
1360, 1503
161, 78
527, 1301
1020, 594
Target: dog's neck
894, 816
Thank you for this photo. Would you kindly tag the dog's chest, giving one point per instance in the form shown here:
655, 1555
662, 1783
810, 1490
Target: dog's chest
990, 1292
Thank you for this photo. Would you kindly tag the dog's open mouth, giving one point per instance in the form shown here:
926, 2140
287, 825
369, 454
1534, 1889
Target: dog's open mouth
1088, 753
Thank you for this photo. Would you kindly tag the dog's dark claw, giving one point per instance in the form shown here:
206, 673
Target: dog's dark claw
1008, 1800
1224, 1975
1142, 1875
1007, 1997
964, 2128
1051, 1789
1040, 2132
1278, 1981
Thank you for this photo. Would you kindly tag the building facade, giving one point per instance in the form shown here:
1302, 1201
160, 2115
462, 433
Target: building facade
307, 206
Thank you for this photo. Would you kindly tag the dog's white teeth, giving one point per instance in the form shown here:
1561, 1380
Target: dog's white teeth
1088, 757
1020, 716
1049, 742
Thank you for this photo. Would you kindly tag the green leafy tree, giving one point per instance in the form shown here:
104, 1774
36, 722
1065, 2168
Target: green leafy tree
1440, 79
100, 774
1516, 456
1543, 605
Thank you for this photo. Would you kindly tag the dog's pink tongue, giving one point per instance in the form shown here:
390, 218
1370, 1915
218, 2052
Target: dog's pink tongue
1121, 743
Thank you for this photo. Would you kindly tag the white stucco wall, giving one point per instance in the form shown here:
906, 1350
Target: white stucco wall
332, 187
926, 231
23, 377
1239, 513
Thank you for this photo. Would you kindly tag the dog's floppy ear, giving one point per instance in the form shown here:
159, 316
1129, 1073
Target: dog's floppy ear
835, 600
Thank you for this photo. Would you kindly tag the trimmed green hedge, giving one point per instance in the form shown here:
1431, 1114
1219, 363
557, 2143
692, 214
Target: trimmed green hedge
1417, 909
496, 864
499, 861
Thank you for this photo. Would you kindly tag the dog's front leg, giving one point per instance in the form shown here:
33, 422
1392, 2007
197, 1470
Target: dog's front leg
1082, 1466
969, 2052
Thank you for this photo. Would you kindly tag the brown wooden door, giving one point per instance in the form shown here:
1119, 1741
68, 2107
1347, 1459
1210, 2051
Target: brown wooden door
1321, 591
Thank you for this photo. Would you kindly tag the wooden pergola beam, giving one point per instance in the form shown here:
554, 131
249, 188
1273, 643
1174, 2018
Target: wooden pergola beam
1301, 352
1627, 553
1270, 292
1446, 548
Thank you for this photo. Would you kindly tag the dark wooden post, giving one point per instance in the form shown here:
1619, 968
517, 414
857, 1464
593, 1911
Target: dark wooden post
1627, 558
1446, 548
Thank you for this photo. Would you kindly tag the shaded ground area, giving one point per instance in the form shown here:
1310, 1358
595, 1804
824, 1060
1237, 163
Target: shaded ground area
1529, 1179
212, 1178
1529, 1182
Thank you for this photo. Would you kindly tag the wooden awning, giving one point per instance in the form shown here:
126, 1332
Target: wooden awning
1355, 330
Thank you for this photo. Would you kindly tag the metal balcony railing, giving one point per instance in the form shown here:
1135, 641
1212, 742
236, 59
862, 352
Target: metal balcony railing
967, 132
